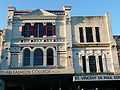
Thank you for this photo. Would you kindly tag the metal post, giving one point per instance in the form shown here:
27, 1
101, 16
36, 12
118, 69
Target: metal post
60, 86
23, 88
78, 87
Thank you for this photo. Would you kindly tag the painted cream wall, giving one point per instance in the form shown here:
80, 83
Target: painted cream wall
108, 53
63, 57
90, 21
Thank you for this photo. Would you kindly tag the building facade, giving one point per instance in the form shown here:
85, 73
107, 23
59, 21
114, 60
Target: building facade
117, 39
94, 52
52, 50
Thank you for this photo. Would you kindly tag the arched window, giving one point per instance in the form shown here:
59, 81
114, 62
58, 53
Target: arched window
50, 56
92, 64
38, 57
26, 57
27, 31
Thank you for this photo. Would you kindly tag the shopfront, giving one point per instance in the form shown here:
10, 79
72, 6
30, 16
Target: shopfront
38, 82
36, 79
97, 82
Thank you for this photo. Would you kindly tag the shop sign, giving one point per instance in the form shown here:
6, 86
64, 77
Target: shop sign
28, 72
96, 78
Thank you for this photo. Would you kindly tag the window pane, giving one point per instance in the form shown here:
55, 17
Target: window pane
26, 57
49, 29
38, 57
41, 30
38, 30
97, 34
89, 35
100, 63
84, 63
92, 63
49, 56
81, 34
27, 31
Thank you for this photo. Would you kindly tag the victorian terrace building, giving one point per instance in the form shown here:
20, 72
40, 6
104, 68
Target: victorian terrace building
52, 50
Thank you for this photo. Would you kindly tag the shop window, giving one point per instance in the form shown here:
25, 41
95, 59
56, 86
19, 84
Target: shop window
84, 63
92, 64
100, 63
89, 35
97, 34
27, 30
38, 30
38, 57
50, 56
81, 34
49, 29
26, 57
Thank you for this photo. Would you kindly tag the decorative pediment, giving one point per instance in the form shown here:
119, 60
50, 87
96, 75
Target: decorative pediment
39, 12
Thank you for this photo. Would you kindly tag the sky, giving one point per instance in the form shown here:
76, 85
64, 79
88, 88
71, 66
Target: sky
79, 8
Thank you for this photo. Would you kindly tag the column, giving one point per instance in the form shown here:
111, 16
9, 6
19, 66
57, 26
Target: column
97, 64
32, 29
45, 30
31, 57
104, 63
23, 28
81, 63
9, 56
84, 34
55, 58
54, 29
45, 58
21, 59
94, 34
87, 65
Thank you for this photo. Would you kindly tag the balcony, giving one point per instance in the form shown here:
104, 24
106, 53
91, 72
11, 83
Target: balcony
44, 40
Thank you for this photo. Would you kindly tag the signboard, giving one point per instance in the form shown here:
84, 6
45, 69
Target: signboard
96, 77
35, 71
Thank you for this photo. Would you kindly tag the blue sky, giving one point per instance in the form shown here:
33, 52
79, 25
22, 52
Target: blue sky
79, 8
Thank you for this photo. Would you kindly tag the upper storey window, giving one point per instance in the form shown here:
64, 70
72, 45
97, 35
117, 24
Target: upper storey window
38, 30
27, 30
89, 35
49, 29
97, 34
81, 34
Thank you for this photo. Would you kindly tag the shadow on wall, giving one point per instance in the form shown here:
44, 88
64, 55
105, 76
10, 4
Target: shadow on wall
76, 20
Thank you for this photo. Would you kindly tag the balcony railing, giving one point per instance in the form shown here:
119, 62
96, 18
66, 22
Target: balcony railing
38, 40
